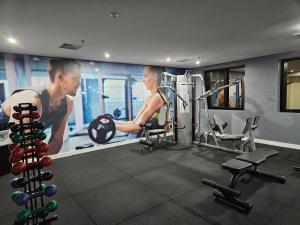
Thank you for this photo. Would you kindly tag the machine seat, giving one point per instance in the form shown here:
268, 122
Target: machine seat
236, 166
229, 136
157, 131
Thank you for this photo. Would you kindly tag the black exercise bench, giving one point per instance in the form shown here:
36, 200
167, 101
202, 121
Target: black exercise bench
245, 164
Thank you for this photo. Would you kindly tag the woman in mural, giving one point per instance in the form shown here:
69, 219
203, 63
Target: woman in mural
54, 101
220, 100
152, 105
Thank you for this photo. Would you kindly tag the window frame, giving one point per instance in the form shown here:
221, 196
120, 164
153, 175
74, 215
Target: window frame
283, 86
226, 90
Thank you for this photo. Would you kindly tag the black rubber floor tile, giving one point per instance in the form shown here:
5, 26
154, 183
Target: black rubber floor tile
73, 163
119, 201
206, 169
167, 214
295, 204
70, 212
115, 153
254, 217
201, 202
8, 219
282, 194
137, 164
171, 180
5, 180
287, 216
173, 155
90, 177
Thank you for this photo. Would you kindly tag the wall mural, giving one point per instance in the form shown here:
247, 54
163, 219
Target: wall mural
111, 99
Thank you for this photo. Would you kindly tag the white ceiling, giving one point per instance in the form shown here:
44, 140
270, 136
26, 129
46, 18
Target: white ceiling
148, 31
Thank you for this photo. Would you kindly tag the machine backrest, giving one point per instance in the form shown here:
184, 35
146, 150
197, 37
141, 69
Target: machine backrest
256, 119
163, 115
255, 123
219, 123
248, 125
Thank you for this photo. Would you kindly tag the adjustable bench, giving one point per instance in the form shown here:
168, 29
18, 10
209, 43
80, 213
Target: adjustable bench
245, 164
241, 140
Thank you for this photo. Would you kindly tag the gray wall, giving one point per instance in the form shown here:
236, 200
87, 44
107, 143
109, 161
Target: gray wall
262, 97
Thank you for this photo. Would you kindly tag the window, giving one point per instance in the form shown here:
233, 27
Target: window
139, 95
231, 97
290, 85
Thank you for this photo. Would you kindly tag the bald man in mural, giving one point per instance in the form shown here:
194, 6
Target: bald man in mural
54, 101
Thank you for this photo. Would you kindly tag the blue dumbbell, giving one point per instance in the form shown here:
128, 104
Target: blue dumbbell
21, 198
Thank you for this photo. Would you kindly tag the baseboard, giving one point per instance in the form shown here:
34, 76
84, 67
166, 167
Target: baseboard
278, 144
131, 141
100, 147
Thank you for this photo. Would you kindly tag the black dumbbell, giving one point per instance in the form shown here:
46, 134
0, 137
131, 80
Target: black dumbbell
19, 127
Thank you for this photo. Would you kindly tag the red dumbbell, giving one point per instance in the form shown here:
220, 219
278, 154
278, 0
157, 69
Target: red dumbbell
16, 154
21, 167
19, 153
20, 116
12, 147
43, 147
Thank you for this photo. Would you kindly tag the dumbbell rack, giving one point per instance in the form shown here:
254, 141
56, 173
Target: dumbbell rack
28, 157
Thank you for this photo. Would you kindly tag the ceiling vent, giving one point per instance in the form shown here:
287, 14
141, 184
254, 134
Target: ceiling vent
70, 46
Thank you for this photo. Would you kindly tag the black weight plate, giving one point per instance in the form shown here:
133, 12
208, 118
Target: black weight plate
102, 129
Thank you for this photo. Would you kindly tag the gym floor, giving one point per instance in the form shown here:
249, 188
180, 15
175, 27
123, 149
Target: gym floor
121, 186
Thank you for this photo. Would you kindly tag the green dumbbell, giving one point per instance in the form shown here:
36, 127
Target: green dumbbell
17, 138
25, 214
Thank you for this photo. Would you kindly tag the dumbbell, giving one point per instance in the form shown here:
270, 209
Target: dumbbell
39, 146
26, 214
19, 167
17, 153
20, 182
29, 107
38, 143
19, 127
16, 158
17, 138
12, 147
10, 124
20, 116
22, 198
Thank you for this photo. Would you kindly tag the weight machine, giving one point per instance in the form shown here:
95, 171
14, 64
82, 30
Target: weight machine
166, 117
206, 130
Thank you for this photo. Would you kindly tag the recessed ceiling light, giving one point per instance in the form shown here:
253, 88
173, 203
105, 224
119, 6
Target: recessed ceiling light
291, 71
114, 14
11, 40
197, 62
97, 69
296, 34
168, 59
107, 55
35, 59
